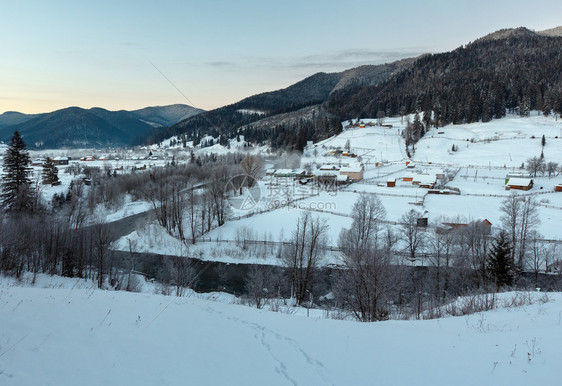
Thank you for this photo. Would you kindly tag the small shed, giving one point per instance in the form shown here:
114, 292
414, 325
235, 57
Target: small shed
391, 183
408, 177
519, 184
558, 188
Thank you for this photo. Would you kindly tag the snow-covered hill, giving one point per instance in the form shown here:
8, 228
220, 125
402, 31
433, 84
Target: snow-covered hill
73, 335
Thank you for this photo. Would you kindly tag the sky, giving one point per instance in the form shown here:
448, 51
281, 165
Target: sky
132, 54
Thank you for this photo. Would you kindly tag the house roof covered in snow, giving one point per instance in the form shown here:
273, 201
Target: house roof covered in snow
519, 182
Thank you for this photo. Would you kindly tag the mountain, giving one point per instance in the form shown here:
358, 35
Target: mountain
311, 91
95, 127
515, 70
10, 118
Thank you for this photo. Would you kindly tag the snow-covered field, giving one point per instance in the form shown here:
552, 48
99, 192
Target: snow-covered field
71, 334
478, 170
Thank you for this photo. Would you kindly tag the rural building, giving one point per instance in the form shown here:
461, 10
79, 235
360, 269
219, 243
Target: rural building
519, 184
60, 160
38, 162
558, 188
517, 175
354, 172
424, 181
408, 177
460, 223
391, 182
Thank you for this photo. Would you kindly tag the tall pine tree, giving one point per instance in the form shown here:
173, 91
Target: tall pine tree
50, 173
500, 264
17, 191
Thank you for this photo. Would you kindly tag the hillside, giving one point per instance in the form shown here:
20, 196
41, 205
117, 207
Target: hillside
95, 127
516, 70
313, 90
75, 335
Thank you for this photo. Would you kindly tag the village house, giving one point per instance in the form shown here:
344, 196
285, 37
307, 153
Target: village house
354, 172
424, 181
61, 160
517, 175
38, 162
519, 184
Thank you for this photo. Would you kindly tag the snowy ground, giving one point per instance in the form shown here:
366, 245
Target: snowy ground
478, 170
74, 335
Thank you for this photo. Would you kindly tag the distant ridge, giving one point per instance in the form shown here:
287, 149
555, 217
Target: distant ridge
556, 31
95, 127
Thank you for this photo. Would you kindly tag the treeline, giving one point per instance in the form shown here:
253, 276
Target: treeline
476, 82
293, 136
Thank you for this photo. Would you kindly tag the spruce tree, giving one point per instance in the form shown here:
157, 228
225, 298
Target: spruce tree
17, 191
50, 172
500, 265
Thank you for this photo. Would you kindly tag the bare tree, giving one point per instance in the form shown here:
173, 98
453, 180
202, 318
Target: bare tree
551, 169
535, 165
181, 272
256, 282
367, 212
529, 222
365, 283
253, 167
412, 234
443, 246
303, 253
473, 241
511, 218
193, 211
537, 259
217, 187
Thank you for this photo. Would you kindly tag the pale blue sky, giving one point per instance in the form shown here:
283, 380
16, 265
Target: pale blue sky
55, 54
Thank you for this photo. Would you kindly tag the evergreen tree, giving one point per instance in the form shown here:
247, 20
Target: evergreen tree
17, 192
50, 173
500, 265
543, 141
